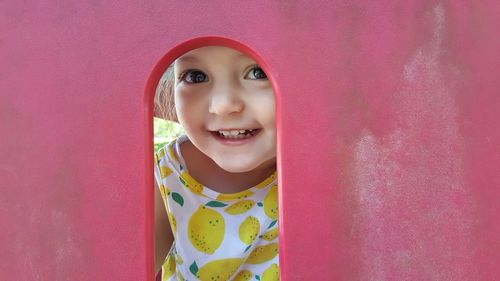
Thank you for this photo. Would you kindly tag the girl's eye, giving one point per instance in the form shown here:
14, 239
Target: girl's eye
193, 76
256, 73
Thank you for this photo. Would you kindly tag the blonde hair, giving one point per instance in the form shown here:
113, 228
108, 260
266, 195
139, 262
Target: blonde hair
164, 106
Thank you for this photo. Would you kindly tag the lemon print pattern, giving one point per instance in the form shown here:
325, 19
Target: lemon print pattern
168, 268
163, 190
165, 171
206, 230
270, 235
249, 229
219, 236
267, 181
243, 275
271, 273
240, 207
173, 222
191, 183
263, 253
161, 153
178, 259
235, 196
179, 276
271, 202
219, 270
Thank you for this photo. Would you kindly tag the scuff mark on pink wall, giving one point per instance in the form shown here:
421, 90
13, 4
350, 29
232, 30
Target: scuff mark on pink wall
409, 183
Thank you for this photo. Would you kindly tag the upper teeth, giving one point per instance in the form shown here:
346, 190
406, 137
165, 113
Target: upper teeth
233, 132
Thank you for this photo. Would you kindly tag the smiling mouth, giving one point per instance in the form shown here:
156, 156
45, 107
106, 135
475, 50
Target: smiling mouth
235, 134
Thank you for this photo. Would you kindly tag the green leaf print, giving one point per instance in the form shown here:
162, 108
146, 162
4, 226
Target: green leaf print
260, 204
193, 268
215, 204
248, 248
178, 198
257, 277
272, 224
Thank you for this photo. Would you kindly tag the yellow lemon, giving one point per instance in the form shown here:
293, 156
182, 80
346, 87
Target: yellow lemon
271, 202
161, 153
271, 273
178, 258
263, 253
235, 196
179, 276
191, 183
219, 269
271, 234
249, 229
240, 207
164, 190
243, 275
168, 268
173, 222
165, 171
266, 181
206, 229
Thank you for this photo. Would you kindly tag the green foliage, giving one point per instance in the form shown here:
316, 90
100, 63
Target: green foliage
165, 131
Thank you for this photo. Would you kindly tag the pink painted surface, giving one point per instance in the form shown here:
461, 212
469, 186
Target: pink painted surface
389, 141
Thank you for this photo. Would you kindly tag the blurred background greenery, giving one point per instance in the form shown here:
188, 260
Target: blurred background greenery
165, 131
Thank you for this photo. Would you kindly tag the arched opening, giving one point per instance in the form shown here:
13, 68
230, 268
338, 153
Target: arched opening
161, 80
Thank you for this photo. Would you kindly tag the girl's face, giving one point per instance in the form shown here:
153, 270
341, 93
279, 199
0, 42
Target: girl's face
225, 103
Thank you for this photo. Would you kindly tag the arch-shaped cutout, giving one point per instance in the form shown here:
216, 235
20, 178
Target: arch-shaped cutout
150, 91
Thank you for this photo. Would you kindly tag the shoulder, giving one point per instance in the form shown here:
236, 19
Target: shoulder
166, 158
169, 151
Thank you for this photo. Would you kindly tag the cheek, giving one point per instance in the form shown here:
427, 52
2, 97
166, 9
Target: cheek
183, 108
265, 106
186, 101
191, 108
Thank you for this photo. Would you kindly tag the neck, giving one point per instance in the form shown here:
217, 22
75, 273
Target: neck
207, 172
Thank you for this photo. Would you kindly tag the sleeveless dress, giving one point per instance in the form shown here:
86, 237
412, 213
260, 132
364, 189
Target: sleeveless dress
217, 236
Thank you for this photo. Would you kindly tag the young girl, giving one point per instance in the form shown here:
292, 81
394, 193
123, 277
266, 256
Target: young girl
218, 182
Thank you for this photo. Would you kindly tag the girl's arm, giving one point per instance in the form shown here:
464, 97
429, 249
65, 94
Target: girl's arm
163, 233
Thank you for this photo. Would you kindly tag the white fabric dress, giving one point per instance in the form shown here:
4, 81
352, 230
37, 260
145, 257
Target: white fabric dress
217, 236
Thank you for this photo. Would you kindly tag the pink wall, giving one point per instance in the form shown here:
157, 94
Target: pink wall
389, 142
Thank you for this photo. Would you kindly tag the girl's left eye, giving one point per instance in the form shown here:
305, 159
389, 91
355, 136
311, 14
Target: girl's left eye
256, 73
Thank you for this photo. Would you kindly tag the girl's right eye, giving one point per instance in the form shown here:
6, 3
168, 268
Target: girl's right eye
193, 77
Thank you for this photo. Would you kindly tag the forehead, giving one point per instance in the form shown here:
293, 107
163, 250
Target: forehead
212, 53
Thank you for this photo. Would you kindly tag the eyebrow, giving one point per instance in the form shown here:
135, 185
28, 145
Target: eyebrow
190, 58
187, 58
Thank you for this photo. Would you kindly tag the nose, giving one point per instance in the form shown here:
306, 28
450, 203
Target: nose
226, 100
